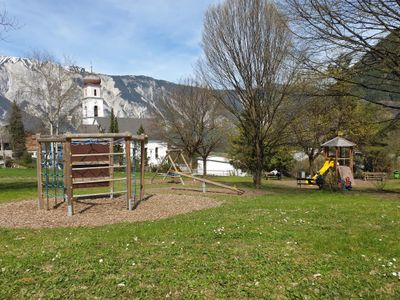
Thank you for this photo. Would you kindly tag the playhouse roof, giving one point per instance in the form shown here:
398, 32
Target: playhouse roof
338, 142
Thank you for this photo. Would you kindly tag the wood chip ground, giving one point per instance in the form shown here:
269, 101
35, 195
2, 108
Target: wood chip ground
96, 212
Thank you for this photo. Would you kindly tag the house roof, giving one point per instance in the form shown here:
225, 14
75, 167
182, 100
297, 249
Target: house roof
132, 125
338, 142
150, 126
88, 129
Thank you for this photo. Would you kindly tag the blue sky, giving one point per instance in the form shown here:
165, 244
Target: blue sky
157, 38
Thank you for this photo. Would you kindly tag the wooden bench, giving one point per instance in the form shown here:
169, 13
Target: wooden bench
305, 181
374, 176
272, 176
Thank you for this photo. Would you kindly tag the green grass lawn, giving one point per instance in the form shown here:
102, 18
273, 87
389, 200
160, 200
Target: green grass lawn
288, 243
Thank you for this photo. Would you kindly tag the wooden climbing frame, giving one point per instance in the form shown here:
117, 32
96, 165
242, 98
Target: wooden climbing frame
87, 160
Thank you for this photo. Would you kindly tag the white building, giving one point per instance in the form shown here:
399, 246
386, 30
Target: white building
95, 121
218, 166
156, 151
92, 102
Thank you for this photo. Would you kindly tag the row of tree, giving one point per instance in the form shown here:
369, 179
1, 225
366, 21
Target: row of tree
290, 80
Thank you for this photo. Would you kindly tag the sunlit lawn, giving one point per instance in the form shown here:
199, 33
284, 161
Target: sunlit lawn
285, 243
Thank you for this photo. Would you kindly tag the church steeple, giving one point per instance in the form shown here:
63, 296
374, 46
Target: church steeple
92, 102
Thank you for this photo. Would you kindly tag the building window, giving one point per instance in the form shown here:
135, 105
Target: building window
95, 92
85, 111
85, 92
156, 153
96, 111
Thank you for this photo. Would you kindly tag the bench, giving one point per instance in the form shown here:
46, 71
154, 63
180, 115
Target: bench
305, 181
272, 176
374, 176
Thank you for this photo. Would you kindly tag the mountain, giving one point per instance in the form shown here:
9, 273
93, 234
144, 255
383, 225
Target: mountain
128, 95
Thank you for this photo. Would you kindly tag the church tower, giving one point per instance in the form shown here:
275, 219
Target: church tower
92, 102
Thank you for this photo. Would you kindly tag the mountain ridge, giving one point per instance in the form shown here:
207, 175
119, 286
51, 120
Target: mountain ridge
129, 95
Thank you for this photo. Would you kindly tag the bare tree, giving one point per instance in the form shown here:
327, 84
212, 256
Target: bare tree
191, 119
247, 48
7, 23
366, 31
54, 85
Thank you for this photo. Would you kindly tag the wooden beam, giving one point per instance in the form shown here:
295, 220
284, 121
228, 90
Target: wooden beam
73, 136
51, 139
184, 160
159, 167
68, 177
128, 174
39, 174
85, 180
77, 136
176, 169
142, 162
239, 191
171, 166
98, 194
111, 168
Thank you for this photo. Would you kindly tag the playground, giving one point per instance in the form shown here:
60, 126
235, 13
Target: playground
211, 242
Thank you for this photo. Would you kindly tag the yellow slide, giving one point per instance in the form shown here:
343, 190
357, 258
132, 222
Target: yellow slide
327, 165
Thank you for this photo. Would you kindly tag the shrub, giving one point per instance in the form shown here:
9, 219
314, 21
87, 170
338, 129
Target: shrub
9, 162
331, 181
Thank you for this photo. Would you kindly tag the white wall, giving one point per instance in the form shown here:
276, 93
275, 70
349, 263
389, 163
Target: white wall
156, 151
218, 166
89, 102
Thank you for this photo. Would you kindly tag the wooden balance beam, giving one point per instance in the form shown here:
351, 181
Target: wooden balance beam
239, 191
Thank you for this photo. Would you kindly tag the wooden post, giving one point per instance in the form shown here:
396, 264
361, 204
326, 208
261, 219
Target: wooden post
176, 169
351, 164
169, 157
184, 160
128, 174
68, 178
159, 167
337, 160
111, 169
142, 162
39, 173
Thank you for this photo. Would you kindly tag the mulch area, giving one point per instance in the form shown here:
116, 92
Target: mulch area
96, 212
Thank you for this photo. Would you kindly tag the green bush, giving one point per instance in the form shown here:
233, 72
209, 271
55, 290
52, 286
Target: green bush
331, 181
9, 162
26, 161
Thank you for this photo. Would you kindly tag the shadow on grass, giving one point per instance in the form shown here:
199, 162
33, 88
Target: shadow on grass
15, 186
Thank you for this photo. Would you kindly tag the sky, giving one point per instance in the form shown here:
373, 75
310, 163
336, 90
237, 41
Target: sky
156, 38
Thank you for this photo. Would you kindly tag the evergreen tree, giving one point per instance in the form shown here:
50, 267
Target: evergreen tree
140, 130
17, 131
114, 129
112, 121
137, 145
116, 126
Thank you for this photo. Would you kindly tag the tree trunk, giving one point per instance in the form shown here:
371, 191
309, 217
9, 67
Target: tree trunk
204, 166
258, 168
257, 178
310, 164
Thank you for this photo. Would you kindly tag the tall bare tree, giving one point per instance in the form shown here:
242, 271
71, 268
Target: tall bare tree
247, 48
7, 23
54, 85
366, 31
191, 119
